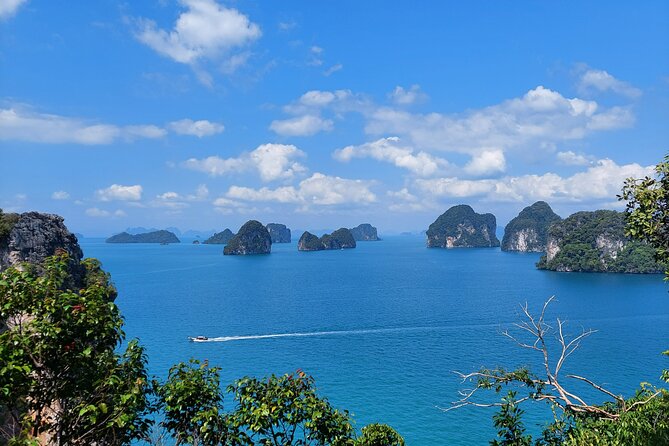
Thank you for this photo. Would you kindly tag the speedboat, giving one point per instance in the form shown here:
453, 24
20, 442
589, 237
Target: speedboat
198, 338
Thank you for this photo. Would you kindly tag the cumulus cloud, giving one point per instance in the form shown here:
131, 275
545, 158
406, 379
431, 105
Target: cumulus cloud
541, 116
9, 7
402, 96
120, 193
602, 180
306, 125
196, 128
96, 212
319, 190
486, 163
391, 150
600, 80
570, 158
205, 30
60, 195
271, 161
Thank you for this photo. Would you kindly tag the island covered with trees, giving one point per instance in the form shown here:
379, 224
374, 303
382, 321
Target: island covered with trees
161, 236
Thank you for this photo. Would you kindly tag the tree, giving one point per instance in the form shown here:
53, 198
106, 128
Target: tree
61, 378
647, 210
379, 435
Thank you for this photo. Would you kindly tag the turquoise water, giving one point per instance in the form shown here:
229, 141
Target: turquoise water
386, 323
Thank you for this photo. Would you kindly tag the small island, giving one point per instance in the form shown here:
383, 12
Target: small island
252, 238
365, 233
220, 238
461, 227
279, 233
596, 242
339, 239
161, 236
528, 232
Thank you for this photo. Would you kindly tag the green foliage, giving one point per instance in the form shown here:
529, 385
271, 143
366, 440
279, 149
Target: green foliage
581, 238
647, 210
510, 428
60, 374
285, 410
252, 238
161, 236
379, 435
309, 242
537, 218
7, 222
454, 223
192, 402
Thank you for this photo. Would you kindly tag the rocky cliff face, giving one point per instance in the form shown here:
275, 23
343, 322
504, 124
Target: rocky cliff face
364, 232
279, 233
252, 238
339, 239
460, 226
220, 238
33, 237
596, 242
528, 232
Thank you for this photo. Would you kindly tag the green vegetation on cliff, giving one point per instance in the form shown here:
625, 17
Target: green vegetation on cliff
7, 222
460, 226
252, 238
220, 238
161, 236
364, 232
596, 242
528, 232
339, 239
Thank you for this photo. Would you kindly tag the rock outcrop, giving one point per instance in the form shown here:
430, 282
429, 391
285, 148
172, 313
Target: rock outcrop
339, 239
364, 233
161, 236
279, 233
461, 227
252, 238
596, 242
32, 236
220, 238
528, 232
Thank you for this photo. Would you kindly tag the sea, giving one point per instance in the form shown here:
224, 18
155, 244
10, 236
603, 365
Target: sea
384, 328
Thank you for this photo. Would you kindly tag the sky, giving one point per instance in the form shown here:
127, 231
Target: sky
203, 114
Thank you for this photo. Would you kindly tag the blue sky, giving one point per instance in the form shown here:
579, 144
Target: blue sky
202, 114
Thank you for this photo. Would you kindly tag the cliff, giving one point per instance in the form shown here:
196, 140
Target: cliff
252, 238
596, 242
528, 232
339, 239
161, 236
32, 237
364, 232
460, 226
220, 238
279, 233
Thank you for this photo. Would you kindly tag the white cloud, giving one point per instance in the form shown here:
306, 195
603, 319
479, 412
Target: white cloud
486, 163
9, 7
333, 69
168, 196
402, 96
319, 189
602, 181
600, 80
145, 131
570, 158
271, 161
60, 195
340, 101
206, 30
120, 193
306, 125
392, 151
96, 212
196, 128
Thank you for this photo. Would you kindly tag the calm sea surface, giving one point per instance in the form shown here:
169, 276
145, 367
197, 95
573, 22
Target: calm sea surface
387, 323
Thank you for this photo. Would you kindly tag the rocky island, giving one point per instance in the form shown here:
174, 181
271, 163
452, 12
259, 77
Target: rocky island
339, 239
161, 236
279, 233
220, 238
595, 242
365, 233
252, 238
528, 232
461, 227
